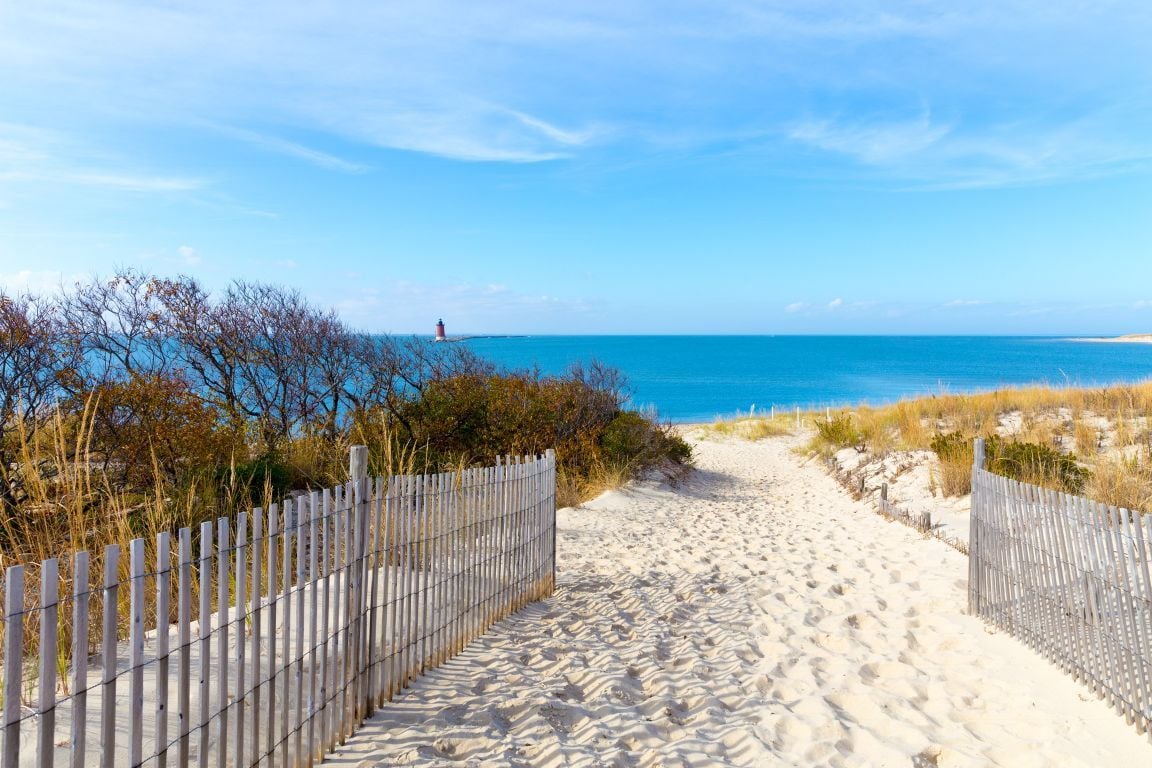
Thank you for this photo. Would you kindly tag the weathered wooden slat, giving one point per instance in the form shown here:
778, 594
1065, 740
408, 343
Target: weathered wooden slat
1122, 552
242, 617
356, 604
204, 633
184, 641
298, 685
1143, 577
458, 553
285, 705
223, 614
325, 612
345, 515
108, 641
270, 710
257, 620
412, 643
80, 610
49, 621
13, 662
439, 569
377, 572
313, 602
136, 571
163, 637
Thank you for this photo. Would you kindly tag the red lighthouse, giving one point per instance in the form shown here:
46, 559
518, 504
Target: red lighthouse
440, 331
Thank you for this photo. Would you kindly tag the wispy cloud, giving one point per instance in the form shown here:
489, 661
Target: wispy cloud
499, 81
31, 155
874, 143
189, 255
291, 149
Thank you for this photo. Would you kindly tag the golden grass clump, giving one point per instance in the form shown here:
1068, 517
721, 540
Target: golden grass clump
1123, 482
748, 428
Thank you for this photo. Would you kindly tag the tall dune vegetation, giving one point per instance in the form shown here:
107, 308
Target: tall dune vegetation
141, 403
1091, 441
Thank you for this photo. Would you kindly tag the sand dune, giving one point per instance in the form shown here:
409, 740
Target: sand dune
755, 616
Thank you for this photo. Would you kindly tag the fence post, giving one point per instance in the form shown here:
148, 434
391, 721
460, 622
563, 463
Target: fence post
884, 498
13, 662
550, 456
974, 553
357, 462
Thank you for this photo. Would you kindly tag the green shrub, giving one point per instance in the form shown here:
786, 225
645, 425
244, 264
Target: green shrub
839, 432
1032, 463
631, 439
473, 416
954, 452
251, 478
952, 447
1036, 464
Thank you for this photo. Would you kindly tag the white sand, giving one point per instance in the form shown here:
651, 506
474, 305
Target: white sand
755, 616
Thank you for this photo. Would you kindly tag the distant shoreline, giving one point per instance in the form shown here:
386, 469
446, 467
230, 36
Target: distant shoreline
469, 338
1129, 338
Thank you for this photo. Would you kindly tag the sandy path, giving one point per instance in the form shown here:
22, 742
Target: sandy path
756, 616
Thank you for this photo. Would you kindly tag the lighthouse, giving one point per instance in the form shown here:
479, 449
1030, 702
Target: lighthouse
440, 331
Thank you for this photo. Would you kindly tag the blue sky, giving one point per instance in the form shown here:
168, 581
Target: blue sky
598, 167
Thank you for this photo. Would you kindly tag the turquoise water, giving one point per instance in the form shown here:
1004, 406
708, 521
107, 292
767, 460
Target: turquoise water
696, 378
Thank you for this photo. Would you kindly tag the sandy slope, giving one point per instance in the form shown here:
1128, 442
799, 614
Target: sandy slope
755, 616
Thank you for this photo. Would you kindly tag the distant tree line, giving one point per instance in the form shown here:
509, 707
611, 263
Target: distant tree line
158, 386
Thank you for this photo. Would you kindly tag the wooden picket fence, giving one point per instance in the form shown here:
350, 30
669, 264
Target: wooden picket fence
921, 521
265, 640
1070, 577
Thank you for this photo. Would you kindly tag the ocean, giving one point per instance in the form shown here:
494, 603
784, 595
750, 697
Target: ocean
697, 378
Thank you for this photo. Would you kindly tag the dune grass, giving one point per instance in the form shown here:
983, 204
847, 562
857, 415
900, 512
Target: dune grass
1094, 441
749, 427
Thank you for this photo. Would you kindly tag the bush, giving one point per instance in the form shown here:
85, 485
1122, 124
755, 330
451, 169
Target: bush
632, 440
839, 432
150, 429
954, 457
1032, 463
952, 447
474, 416
1036, 464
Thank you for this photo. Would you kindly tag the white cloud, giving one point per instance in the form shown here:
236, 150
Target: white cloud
503, 81
189, 255
796, 306
957, 303
873, 143
836, 303
291, 149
